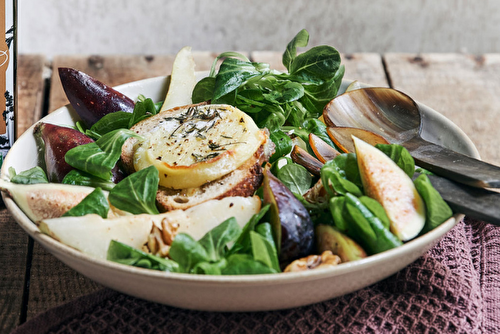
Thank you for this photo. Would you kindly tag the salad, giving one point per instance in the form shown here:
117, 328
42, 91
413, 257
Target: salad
233, 174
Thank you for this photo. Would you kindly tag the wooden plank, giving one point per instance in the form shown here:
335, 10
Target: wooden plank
117, 70
52, 282
30, 90
463, 88
364, 67
13, 240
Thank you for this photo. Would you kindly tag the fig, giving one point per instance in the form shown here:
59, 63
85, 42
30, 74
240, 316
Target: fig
330, 239
293, 229
385, 182
57, 141
303, 158
90, 98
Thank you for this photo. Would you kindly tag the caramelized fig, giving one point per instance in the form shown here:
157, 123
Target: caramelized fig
90, 98
330, 239
321, 149
341, 137
301, 157
57, 141
293, 229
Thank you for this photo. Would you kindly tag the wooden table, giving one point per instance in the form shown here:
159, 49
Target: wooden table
464, 88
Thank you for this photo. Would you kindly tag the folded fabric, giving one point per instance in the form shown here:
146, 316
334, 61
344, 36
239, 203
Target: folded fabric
454, 288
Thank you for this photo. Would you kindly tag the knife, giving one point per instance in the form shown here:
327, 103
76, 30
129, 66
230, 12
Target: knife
478, 203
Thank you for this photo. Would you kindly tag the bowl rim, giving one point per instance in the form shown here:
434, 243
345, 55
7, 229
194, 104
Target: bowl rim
310, 275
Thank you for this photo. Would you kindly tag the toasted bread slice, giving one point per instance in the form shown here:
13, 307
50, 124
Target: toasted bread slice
241, 181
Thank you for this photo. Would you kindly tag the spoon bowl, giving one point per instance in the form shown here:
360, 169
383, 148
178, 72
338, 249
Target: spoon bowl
397, 117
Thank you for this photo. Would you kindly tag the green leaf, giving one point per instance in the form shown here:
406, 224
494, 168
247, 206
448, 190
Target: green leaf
317, 65
31, 176
400, 156
317, 96
244, 264
204, 90
300, 40
436, 209
295, 177
243, 243
98, 158
124, 254
137, 192
95, 202
283, 144
79, 178
210, 268
337, 207
377, 209
232, 74
110, 122
263, 246
216, 240
187, 252
367, 229
335, 182
142, 110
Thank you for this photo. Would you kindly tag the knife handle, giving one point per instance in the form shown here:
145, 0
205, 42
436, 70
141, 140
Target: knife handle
453, 165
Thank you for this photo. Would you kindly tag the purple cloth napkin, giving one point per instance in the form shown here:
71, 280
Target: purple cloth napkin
454, 288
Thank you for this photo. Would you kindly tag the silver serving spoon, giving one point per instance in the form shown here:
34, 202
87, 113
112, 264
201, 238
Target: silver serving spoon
395, 116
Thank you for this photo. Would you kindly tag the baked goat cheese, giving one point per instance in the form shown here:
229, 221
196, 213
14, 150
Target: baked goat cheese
193, 145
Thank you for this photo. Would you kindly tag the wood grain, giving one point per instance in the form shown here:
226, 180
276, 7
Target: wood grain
364, 67
463, 88
13, 240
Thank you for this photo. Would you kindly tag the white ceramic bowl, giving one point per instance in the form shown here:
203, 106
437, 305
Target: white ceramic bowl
233, 293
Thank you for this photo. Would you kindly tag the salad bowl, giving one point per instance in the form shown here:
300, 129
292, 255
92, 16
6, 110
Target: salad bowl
232, 293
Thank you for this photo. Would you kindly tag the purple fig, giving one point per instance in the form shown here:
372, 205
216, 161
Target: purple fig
293, 228
57, 141
90, 98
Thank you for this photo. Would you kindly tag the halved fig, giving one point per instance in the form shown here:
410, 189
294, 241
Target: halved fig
91, 98
342, 137
293, 229
321, 149
303, 158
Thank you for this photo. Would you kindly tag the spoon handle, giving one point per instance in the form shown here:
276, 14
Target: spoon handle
453, 165
481, 204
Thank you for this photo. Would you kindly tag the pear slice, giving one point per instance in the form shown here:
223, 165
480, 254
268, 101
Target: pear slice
385, 182
182, 80
92, 234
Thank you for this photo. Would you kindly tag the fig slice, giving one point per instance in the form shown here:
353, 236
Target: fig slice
90, 98
388, 184
303, 158
342, 137
321, 149
293, 229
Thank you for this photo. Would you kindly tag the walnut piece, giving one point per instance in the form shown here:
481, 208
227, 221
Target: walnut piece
160, 240
326, 259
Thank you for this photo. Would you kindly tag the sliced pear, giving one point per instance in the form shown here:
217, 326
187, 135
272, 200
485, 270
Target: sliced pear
182, 80
200, 219
92, 234
385, 182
